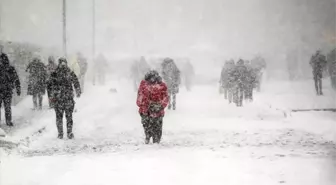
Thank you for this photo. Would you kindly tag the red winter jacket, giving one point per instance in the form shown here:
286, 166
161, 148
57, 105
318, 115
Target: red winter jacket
152, 93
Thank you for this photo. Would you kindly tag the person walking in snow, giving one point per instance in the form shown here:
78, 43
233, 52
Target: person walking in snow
62, 82
83, 67
51, 67
249, 82
37, 82
152, 100
138, 70
238, 79
225, 80
8, 81
318, 62
259, 65
172, 77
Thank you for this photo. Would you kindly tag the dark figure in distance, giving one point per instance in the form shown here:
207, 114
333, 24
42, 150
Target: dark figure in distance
37, 82
259, 65
172, 77
249, 82
238, 79
51, 67
225, 83
63, 80
139, 69
318, 62
152, 100
8, 81
83, 67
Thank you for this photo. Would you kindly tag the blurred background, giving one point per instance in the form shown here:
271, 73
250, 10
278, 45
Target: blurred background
208, 32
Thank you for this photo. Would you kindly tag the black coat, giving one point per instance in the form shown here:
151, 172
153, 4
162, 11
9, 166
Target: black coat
318, 62
63, 81
8, 77
238, 76
37, 78
171, 76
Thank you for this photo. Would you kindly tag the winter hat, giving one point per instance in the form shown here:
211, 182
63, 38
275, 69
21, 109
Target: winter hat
152, 76
51, 59
240, 62
62, 61
4, 59
167, 60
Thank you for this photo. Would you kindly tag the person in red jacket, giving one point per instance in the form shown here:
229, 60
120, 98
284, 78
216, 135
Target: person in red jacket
152, 100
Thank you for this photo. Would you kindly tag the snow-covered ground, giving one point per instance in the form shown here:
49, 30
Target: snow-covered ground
205, 141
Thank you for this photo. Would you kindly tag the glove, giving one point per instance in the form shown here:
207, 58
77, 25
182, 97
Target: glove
155, 107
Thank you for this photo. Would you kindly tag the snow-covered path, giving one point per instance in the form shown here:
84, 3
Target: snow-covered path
206, 141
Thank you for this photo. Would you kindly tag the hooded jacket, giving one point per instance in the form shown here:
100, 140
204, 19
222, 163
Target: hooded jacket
62, 82
8, 77
152, 92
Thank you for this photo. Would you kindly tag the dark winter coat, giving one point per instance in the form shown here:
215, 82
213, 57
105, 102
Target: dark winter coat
152, 97
225, 76
251, 75
238, 75
63, 80
171, 76
8, 77
318, 62
51, 67
37, 77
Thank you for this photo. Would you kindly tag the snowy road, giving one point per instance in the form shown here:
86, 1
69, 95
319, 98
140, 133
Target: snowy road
206, 141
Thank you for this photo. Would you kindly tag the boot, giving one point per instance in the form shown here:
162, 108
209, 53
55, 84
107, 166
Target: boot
60, 136
60, 130
156, 139
71, 136
10, 124
147, 140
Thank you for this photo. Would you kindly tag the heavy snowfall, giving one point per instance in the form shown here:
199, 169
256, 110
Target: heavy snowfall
167, 92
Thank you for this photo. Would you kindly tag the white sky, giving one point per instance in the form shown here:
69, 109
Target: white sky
231, 28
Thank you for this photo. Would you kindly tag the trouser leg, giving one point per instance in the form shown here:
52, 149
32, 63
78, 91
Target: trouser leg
320, 85
316, 85
235, 95
49, 92
230, 95
35, 100
157, 127
170, 100
0, 106
82, 83
240, 95
145, 121
225, 93
59, 119
174, 101
251, 92
245, 92
40, 99
8, 109
68, 114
